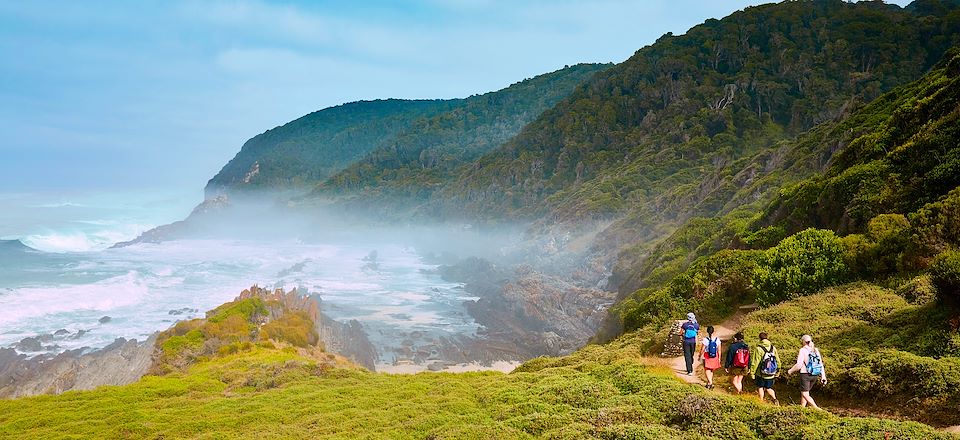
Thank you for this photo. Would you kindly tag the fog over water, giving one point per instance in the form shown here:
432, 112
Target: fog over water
78, 280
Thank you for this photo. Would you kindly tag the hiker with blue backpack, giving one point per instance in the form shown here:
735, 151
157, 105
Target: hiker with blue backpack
738, 361
710, 355
810, 365
764, 367
690, 330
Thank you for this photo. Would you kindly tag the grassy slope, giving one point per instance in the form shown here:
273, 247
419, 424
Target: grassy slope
884, 354
599, 392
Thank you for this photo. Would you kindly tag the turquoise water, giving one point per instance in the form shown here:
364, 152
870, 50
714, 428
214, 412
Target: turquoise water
76, 280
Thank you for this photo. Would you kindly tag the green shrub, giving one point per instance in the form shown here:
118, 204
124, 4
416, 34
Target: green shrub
803, 263
945, 274
295, 328
919, 290
246, 309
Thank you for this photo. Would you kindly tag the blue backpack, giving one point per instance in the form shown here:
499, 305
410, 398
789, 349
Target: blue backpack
690, 332
712, 348
768, 364
814, 363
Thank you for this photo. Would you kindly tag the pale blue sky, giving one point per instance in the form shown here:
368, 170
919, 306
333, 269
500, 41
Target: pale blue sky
118, 94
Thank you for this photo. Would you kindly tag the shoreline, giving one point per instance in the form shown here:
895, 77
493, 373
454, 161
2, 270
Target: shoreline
501, 366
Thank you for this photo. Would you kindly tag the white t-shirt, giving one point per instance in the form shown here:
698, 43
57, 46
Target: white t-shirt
706, 343
802, 358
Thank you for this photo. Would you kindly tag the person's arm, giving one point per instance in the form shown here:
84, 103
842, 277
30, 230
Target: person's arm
754, 361
823, 371
728, 359
796, 367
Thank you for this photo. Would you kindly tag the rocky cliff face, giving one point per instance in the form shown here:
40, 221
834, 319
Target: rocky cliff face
538, 313
122, 362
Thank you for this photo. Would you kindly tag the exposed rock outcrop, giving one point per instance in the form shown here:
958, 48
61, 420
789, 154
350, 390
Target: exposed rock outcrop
347, 339
182, 228
541, 314
122, 362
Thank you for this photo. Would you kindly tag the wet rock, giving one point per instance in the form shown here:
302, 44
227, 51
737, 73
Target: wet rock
436, 366
183, 311
122, 362
29, 344
79, 334
61, 332
105, 319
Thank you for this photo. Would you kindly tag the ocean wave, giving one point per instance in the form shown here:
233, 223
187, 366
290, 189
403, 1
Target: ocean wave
29, 303
83, 241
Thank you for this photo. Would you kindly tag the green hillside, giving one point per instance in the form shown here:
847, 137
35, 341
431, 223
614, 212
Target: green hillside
314, 147
886, 207
642, 136
376, 145
602, 392
425, 154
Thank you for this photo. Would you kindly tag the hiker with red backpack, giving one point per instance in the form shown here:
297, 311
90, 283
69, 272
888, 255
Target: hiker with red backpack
690, 329
710, 355
737, 361
810, 365
765, 366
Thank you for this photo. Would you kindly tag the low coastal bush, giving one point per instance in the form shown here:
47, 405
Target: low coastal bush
945, 274
801, 264
877, 347
601, 392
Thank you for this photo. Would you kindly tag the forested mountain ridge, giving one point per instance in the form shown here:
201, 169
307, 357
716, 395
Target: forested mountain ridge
688, 104
308, 149
391, 142
424, 155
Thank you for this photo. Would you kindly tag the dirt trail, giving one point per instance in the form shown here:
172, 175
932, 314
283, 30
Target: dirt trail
725, 331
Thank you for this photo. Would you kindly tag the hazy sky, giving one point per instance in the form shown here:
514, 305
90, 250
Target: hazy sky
131, 94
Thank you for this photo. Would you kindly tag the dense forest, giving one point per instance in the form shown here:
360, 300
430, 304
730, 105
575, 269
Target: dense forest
309, 149
390, 143
417, 159
644, 134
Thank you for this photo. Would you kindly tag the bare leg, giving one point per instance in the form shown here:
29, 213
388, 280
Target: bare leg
806, 398
760, 390
709, 377
738, 383
773, 395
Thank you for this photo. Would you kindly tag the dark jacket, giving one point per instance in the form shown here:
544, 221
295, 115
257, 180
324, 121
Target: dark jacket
728, 363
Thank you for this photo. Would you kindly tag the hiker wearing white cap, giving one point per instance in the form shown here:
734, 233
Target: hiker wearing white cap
810, 365
690, 330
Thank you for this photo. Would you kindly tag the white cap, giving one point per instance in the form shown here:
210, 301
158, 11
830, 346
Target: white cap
691, 316
806, 338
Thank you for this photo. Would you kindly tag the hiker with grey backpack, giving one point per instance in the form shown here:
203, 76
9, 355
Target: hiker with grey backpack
810, 365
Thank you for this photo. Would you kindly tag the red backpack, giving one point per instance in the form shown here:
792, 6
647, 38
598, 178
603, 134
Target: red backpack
741, 357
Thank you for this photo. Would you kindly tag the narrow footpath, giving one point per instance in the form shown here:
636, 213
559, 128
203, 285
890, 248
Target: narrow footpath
725, 331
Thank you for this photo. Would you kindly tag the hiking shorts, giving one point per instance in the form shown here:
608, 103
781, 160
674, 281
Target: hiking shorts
764, 383
738, 371
807, 380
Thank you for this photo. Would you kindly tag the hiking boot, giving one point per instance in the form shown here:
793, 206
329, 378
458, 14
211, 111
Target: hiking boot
776, 402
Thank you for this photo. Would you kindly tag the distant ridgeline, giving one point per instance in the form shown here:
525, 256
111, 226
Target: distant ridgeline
370, 141
710, 123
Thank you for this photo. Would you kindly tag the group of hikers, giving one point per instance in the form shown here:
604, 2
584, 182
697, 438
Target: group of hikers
762, 363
